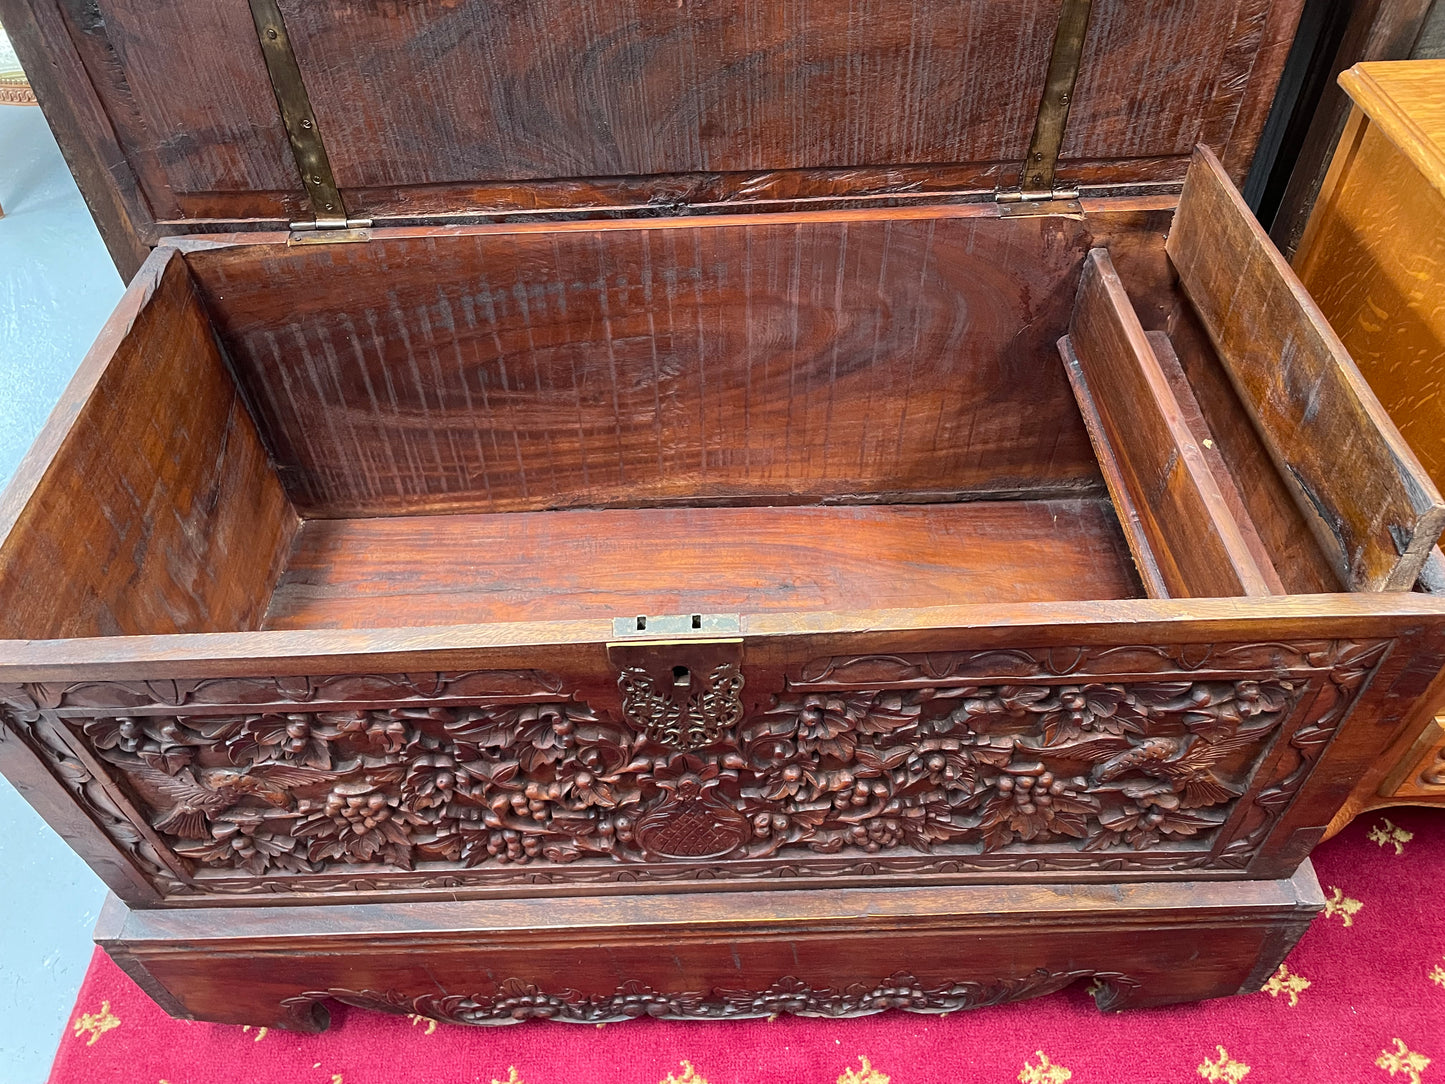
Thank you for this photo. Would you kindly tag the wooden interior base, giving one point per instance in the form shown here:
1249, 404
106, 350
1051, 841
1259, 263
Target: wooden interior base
520, 566
848, 952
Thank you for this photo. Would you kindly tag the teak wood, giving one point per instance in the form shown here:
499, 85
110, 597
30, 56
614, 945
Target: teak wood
773, 360
178, 497
442, 600
471, 111
1316, 413
1164, 477
698, 956
359, 573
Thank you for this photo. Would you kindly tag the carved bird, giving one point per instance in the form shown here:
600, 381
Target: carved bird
1182, 765
198, 801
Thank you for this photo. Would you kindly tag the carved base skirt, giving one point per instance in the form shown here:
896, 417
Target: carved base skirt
718, 955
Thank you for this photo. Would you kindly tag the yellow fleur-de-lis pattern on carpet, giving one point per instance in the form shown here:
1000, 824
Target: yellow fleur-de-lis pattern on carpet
1402, 1061
1387, 835
1362, 998
1290, 986
1045, 1072
1223, 1068
1342, 907
863, 1073
92, 1025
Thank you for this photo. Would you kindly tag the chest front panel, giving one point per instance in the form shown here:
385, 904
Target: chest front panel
977, 764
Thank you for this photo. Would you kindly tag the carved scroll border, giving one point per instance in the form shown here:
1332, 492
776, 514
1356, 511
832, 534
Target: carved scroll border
223, 695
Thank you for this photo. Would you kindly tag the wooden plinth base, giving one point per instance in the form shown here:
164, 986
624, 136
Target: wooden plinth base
724, 955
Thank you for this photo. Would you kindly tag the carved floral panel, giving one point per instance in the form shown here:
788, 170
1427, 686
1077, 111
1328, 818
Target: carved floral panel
906, 763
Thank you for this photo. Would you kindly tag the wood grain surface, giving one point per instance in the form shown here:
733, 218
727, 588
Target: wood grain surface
77, 116
412, 570
1160, 468
444, 110
1135, 99
1147, 944
147, 504
186, 89
1419, 776
597, 89
1373, 508
1192, 416
1136, 523
1403, 99
891, 354
1285, 532
1373, 255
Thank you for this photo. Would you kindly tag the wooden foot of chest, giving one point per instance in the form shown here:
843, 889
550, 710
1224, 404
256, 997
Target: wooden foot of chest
714, 955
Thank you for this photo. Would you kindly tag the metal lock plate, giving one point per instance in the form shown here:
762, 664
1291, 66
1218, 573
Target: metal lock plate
683, 691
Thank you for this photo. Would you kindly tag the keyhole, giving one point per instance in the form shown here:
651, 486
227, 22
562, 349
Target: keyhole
680, 676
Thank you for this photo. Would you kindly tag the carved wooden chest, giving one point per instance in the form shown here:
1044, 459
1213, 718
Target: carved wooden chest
599, 510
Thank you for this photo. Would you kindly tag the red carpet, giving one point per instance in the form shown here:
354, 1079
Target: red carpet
1362, 998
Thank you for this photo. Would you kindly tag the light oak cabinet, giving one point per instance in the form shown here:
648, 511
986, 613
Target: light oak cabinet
1373, 258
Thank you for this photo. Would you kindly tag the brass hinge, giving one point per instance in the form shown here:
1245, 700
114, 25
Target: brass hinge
1036, 175
311, 233
303, 131
1014, 204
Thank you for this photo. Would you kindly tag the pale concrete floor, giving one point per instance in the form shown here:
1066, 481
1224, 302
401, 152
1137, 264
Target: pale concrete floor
57, 285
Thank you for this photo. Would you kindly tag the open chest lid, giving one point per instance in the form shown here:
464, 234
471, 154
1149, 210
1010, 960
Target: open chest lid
185, 116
